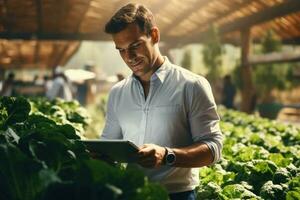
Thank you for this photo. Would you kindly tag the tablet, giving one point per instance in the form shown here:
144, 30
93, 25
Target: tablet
119, 150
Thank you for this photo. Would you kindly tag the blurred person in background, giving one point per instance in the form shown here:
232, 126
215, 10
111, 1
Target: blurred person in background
228, 92
47, 83
35, 79
61, 86
120, 76
8, 85
167, 111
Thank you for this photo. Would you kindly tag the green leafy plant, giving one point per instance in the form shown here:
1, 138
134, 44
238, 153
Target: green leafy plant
260, 159
187, 60
42, 158
62, 112
212, 54
13, 110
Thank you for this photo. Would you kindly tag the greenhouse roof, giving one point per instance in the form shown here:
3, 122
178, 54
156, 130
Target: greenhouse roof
53, 29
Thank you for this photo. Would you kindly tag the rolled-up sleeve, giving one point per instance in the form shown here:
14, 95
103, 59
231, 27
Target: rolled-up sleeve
203, 117
112, 129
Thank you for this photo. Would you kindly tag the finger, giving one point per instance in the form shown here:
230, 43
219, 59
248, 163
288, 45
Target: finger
146, 145
145, 148
146, 151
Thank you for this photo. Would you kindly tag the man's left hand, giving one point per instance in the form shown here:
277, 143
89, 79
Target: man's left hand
151, 155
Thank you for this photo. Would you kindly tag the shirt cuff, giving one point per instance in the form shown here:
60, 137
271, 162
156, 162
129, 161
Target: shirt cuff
216, 150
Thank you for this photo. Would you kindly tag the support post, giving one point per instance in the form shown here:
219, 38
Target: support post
248, 91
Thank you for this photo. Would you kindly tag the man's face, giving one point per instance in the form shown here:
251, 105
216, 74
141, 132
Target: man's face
137, 50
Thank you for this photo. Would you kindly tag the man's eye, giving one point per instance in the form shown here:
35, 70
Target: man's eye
135, 46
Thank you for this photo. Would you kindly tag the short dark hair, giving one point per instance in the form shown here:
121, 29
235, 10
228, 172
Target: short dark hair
131, 13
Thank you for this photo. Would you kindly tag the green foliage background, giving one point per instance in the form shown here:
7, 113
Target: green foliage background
186, 60
212, 54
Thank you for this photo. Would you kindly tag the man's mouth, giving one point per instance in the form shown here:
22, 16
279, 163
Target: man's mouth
135, 65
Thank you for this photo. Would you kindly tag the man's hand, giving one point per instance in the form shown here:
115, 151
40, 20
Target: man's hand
151, 155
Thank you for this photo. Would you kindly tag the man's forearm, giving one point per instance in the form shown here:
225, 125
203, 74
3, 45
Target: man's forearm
196, 155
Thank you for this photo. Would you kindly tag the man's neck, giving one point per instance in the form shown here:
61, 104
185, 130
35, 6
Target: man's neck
145, 81
157, 64
159, 61
146, 88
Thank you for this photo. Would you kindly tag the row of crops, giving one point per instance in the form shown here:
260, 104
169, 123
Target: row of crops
42, 158
260, 161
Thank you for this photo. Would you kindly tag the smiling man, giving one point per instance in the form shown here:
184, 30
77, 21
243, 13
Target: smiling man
169, 112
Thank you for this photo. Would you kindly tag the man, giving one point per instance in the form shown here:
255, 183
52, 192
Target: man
228, 92
8, 85
60, 86
167, 111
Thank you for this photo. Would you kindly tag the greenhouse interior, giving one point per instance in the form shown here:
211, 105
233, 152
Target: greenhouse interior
194, 99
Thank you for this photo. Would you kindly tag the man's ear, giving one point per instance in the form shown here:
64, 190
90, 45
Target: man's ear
155, 35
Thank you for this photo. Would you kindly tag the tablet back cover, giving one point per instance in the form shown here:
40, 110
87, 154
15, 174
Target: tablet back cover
119, 150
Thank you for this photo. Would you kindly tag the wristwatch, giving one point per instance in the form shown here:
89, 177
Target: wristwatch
170, 157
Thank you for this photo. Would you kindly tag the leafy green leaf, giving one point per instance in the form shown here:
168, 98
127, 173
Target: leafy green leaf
17, 110
237, 191
272, 191
21, 177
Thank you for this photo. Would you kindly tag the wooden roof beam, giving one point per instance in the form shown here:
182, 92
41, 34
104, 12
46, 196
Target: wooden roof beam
86, 9
37, 53
70, 52
39, 16
39, 22
60, 56
275, 57
3, 52
19, 58
184, 15
291, 41
54, 54
54, 36
237, 42
226, 13
265, 15
5, 19
160, 5
268, 14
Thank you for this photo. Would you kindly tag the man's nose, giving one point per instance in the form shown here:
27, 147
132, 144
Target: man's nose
130, 54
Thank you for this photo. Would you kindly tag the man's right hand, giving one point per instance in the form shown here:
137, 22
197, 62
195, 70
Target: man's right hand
151, 156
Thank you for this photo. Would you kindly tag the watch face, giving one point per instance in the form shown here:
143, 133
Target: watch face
170, 159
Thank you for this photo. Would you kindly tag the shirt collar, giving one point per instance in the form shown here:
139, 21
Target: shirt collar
161, 73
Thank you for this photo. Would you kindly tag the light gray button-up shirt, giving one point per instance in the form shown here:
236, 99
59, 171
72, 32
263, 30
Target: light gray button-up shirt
179, 111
